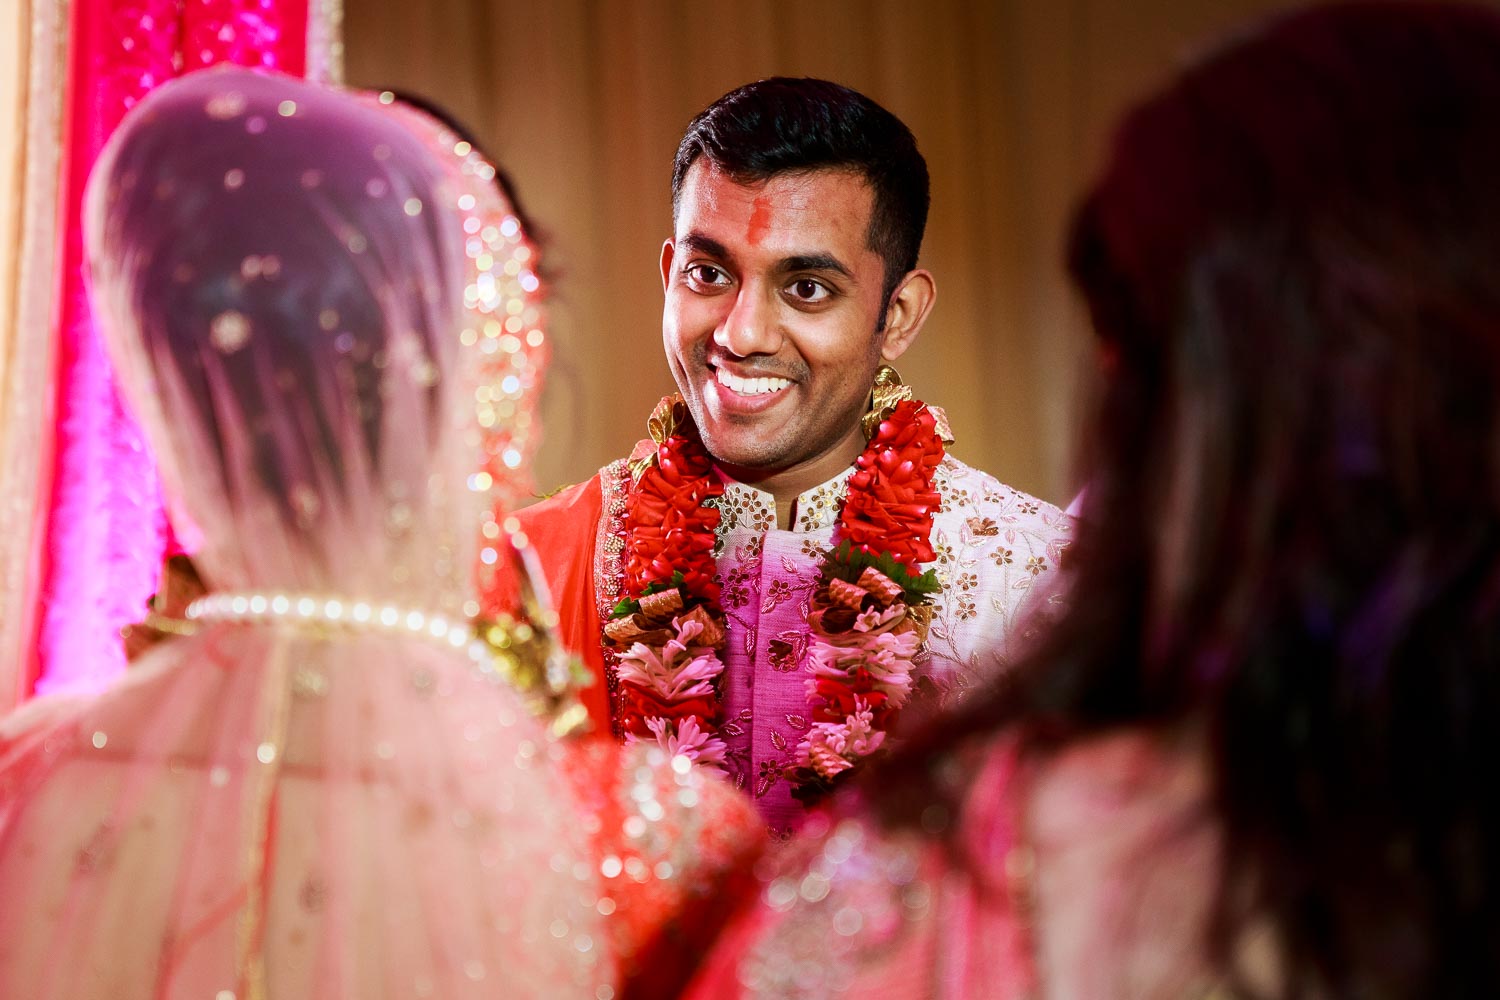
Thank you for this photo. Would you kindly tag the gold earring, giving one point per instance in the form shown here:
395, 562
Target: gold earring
887, 391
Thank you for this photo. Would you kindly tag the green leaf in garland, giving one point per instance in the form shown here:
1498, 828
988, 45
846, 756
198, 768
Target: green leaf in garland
657, 586
847, 563
632, 605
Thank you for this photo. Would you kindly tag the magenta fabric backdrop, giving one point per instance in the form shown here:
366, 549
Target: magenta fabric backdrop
107, 532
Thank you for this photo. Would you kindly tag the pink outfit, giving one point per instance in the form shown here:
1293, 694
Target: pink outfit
1082, 876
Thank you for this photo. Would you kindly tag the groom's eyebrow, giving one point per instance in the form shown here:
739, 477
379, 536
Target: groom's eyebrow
815, 262
699, 243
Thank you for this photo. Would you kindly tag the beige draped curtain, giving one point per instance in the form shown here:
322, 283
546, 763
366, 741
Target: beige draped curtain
584, 101
32, 48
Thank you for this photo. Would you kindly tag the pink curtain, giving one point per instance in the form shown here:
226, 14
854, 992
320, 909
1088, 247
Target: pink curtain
106, 531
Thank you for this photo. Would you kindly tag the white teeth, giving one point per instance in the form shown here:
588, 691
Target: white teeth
750, 386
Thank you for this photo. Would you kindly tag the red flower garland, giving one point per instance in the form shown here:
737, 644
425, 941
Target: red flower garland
670, 623
890, 503
868, 617
670, 577
670, 526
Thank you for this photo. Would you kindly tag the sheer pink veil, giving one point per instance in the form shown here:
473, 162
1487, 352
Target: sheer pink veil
503, 333
301, 810
281, 283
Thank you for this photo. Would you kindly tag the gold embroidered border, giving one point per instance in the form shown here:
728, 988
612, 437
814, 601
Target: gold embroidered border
609, 553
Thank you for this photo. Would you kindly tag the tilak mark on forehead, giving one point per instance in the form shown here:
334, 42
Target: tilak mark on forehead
760, 220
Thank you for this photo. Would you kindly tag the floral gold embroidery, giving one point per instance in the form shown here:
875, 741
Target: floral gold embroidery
786, 651
778, 592
983, 527
770, 773
819, 508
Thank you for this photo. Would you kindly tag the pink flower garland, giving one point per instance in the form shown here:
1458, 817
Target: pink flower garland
670, 626
869, 610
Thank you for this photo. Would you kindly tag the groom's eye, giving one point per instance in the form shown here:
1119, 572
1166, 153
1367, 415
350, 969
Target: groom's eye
808, 291
706, 274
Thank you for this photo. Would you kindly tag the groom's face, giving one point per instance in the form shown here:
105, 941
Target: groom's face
772, 314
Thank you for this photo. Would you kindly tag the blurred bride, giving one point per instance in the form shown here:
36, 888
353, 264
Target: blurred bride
324, 790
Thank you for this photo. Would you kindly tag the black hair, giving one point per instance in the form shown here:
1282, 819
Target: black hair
1290, 540
786, 125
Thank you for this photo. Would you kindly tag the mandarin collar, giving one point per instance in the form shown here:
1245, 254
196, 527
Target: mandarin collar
816, 508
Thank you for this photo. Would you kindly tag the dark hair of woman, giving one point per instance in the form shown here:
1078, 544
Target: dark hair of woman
1290, 542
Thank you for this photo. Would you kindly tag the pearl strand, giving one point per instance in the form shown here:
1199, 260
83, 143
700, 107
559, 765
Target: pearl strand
510, 653
290, 608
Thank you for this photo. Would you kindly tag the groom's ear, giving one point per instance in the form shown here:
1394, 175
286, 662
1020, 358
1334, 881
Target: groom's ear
905, 313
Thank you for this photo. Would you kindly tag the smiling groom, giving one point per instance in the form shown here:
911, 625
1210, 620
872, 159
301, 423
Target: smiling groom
792, 559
